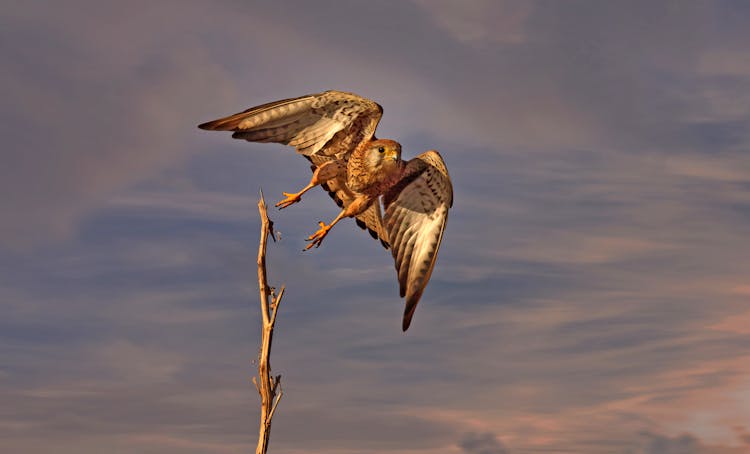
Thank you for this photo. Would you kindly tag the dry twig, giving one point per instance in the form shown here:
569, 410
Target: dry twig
268, 387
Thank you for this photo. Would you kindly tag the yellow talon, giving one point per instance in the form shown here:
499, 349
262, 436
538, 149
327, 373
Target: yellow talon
291, 199
317, 237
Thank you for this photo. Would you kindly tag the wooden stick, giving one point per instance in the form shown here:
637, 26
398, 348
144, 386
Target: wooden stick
268, 387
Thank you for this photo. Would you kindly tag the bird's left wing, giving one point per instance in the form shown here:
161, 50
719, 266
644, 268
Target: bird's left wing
331, 123
416, 210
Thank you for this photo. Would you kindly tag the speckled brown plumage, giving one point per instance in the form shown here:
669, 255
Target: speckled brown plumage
336, 132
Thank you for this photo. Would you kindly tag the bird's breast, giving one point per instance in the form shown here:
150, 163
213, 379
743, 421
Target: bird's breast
371, 181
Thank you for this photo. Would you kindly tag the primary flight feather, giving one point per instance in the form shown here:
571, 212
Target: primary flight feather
336, 132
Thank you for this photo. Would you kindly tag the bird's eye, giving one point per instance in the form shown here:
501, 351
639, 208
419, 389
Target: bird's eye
381, 150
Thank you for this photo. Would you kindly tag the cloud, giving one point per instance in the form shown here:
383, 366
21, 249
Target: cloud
653, 443
725, 62
134, 363
480, 21
727, 168
88, 116
481, 443
743, 434
683, 444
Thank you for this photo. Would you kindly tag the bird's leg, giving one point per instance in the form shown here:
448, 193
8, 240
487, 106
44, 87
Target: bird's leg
325, 172
294, 197
358, 205
316, 238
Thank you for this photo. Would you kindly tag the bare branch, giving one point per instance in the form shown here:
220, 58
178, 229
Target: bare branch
268, 385
255, 382
275, 403
275, 304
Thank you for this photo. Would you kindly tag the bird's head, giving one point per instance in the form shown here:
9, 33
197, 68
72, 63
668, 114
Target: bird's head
384, 153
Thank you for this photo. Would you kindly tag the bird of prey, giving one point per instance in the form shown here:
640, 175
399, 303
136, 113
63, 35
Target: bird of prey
335, 131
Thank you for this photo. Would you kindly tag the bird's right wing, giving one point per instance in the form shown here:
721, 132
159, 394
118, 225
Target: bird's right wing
416, 210
331, 123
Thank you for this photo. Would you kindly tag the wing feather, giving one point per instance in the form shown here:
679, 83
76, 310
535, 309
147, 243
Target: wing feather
331, 123
372, 221
416, 211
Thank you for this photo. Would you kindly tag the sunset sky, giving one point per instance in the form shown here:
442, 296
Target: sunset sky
592, 293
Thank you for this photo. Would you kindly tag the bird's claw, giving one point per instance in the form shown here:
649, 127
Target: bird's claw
291, 199
316, 238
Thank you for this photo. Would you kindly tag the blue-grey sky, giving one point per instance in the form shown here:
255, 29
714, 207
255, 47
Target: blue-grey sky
592, 290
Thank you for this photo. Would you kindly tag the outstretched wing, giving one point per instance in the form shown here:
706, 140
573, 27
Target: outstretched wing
416, 210
331, 123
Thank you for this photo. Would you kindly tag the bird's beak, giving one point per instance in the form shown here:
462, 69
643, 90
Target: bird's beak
394, 156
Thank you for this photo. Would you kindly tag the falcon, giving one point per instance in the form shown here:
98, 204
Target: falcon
335, 131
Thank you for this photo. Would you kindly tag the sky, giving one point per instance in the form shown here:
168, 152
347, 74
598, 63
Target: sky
591, 293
